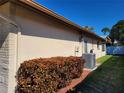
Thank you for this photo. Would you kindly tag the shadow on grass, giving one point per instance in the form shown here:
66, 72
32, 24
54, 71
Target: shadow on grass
107, 78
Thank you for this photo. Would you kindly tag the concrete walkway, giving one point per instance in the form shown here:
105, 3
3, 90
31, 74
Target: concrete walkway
107, 78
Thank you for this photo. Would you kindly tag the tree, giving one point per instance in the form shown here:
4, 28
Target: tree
117, 32
105, 30
88, 28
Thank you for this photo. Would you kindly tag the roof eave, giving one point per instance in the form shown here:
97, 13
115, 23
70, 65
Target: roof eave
33, 4
61, 18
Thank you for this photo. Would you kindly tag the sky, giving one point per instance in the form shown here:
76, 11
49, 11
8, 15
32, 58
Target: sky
94, 13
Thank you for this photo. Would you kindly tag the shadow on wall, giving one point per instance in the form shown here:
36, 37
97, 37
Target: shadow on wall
6, 26
3, 32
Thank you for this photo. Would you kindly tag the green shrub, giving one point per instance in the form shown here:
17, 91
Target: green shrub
47, 75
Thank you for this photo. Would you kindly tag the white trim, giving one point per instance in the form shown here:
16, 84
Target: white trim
18, 49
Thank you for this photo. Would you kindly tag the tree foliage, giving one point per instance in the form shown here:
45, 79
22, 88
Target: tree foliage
88, 28
105, 30
117, 31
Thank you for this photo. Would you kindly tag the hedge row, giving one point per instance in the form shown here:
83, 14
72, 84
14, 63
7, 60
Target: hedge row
47, 75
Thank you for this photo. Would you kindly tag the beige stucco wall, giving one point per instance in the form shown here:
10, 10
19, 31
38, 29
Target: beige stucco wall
41, 36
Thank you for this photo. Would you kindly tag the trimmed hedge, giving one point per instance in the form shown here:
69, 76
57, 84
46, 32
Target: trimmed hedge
47, 75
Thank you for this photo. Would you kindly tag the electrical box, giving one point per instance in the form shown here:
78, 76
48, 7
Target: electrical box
90, 60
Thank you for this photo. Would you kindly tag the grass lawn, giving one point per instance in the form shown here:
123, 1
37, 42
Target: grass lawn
107, 78
103, 59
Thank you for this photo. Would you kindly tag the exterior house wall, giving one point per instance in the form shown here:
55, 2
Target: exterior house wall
4, 50
92, 44
8, 50
38, 37
8, 57
98, 51
4, 58
42, 36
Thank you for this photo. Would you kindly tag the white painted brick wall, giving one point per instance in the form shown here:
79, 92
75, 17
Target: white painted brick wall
8, 50
8, 56
4, 59
12, 62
